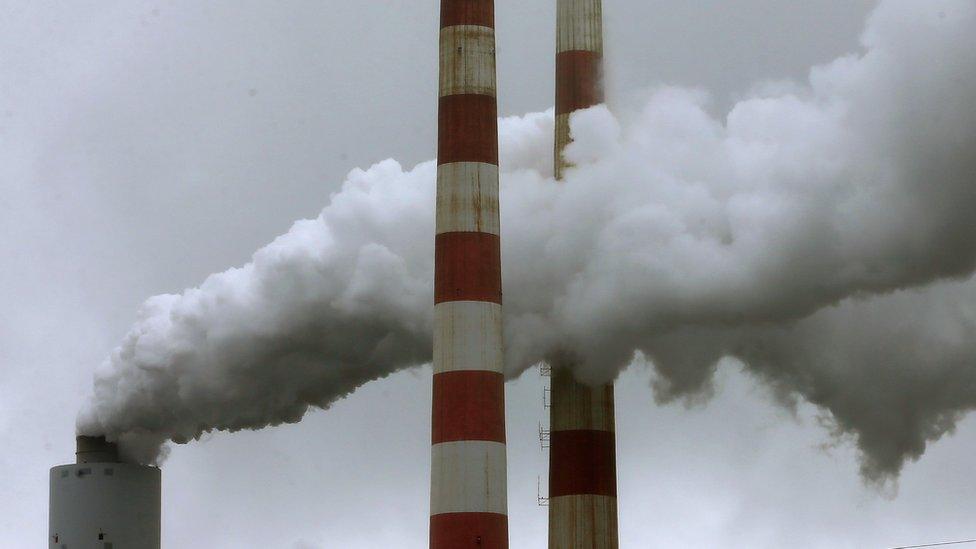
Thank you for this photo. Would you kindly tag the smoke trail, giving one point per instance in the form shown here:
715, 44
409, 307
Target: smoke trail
801, 234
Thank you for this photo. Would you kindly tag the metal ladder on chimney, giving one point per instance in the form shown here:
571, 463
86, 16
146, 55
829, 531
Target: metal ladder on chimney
545, 371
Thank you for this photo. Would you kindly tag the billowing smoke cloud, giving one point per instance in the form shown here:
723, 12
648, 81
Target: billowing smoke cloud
821, 233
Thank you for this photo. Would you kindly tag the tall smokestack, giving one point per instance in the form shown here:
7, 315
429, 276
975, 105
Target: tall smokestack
582, 454
468, 471
99, 502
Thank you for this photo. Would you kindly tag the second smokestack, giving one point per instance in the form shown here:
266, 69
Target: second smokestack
582, 452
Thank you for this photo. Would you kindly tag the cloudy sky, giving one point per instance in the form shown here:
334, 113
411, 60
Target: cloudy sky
144, 146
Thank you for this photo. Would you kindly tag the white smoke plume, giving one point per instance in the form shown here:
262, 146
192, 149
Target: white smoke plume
821, 232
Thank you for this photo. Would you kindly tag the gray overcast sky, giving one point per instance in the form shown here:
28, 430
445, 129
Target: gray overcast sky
144, 145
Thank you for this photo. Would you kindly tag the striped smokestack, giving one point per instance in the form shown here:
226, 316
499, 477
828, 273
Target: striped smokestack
468, 471
582, 458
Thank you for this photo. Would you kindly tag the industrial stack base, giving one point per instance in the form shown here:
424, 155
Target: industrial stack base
101, 503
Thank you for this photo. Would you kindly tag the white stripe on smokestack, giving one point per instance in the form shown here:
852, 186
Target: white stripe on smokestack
467, 60
464, 470
468, 337
582, 453
579, 25
467, 197
583, 533
468, 501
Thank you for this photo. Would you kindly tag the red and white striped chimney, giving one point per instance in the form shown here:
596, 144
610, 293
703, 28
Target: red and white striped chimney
468, 502
582, 458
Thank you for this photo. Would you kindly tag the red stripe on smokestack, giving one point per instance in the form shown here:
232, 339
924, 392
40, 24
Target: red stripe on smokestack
467, 267
587, 463
469, 405
582, 458
453, 531
578, 76
468, 501
467, 129
467, 12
